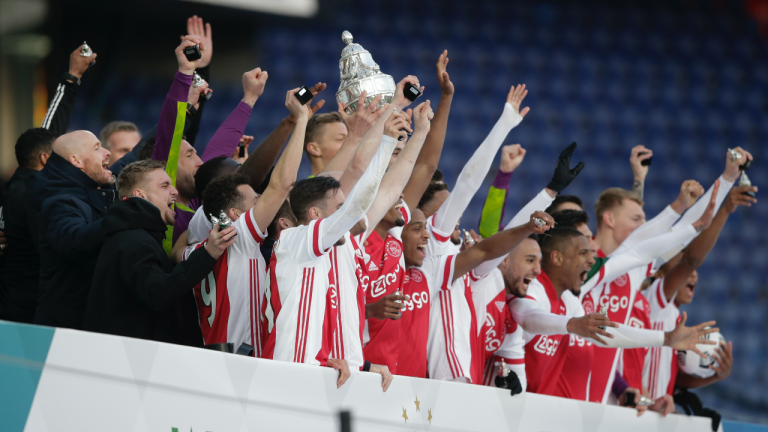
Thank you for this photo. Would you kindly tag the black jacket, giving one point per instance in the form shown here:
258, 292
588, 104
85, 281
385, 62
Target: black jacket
135, 281
20, 267
71, 208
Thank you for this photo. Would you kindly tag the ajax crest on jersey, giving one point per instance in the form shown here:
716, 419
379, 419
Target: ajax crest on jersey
394, 249
696, 365
416, 276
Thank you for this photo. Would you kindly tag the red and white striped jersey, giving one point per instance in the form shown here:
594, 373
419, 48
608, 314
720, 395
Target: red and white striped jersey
295, 303
384, 274
422, 284
541, 349
229, 299
660, 369
490, 300
633, 360
511, 350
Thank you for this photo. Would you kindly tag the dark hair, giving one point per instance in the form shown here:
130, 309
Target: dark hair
570, 218
430, 192
310, 193
562, 199
221, 194
31, 144
213, 169
534, 237
284, 212
133, 174
147, 149
557, 239
314, 126
437, 176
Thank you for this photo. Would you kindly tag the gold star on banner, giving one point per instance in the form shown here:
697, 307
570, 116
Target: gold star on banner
430, 416
417, 404
405, 415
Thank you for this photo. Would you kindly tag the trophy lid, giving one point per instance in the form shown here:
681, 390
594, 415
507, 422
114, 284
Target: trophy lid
86, 51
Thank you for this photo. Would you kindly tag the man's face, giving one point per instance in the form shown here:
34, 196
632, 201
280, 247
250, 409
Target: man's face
250, 198
94, 160
334, 199
121, 143
394, 218
626, 219
415, 238
330, 138
159, 191
577, 261
189, 162
520, 267
584, 229
685, 295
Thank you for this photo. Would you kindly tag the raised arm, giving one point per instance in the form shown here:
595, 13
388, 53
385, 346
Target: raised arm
397, 176
426, 163
472, 175
639, 171
227, 137
197, 106
370, 143
265, 155
499, 245
284, 174
493, 209
63, 103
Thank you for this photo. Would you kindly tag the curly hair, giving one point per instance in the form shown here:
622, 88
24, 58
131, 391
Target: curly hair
221, 194
31, 144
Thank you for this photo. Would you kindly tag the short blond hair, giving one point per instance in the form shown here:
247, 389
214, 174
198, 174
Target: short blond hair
134, 175
613, 198
316, 124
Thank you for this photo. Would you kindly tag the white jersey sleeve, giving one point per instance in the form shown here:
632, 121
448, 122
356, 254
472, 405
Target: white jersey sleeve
533, 314
199, 227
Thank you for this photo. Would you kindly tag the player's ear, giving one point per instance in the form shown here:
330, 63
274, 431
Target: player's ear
556, 257
608, 219
313, 148
233, 213
314, 213
504, 263
284, 223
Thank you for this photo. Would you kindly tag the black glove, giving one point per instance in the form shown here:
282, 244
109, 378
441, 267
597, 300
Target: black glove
692, 405
511, 382
564, 175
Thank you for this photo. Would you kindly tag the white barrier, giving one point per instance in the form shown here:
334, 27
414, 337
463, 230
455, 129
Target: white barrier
94, 382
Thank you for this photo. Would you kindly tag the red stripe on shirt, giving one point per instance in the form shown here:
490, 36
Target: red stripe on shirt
447, 273
252, 226
659, 298
299, 325
447, 332
316, 239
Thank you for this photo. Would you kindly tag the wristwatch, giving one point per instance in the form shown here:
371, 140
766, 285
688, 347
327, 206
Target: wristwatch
70, 77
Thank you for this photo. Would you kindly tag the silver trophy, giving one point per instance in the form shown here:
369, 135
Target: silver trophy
197, 81
539, 222
468, 240
743, 178
603, 311
359, 72
503, 369
223, 221
86, 51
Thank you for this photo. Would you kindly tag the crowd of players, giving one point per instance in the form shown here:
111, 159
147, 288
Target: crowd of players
362, 266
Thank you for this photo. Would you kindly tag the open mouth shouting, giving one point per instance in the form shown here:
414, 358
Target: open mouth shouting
527, 281
583, 276
422, 249
171, 202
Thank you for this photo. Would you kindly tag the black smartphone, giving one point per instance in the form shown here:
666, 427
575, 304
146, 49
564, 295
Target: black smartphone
193, 53
303, 95
411, 92
241, 147
645, 162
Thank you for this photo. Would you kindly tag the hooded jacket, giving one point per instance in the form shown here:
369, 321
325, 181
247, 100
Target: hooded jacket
135, 282
71, 207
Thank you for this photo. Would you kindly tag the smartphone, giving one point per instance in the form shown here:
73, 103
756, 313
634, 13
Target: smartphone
411, 92
303, 95
645, 162
241, 147
193, 53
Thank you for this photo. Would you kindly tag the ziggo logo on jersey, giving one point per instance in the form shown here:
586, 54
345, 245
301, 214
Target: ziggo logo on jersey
547, 346
379, 286
614, 302
418, 299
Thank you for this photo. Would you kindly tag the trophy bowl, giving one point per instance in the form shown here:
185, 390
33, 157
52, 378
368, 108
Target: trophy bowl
360, 73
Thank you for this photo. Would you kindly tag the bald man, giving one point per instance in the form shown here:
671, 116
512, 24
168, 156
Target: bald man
72, 194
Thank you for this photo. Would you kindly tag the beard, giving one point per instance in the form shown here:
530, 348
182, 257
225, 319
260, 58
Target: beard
455, 239
99, 175
185, 184
399, 222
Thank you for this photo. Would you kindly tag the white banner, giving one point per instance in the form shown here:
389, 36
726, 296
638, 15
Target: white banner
94, 382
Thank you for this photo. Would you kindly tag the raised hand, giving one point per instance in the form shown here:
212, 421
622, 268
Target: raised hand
686, 338
195, 27
540, 215
315, 90
397, 126
422, 115
511, 157
343, 367
295, 107
400, 101
246, 141
515, 98
79, 64
732, 170
386, 376
690, 191
638, 155
446, 86
185, 66
196, 92
364, 118
564, 175
219, 240
737, 197
254, 82
706, 219
591, 326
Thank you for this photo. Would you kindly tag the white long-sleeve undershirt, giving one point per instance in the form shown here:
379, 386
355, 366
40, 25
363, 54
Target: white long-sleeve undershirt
539, 203
474, 172
360, 197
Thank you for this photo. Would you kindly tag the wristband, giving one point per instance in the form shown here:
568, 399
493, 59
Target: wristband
70, 77
366, 366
